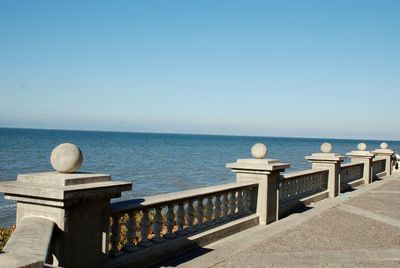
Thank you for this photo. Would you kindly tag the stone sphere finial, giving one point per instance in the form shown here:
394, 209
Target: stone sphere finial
362, 146
384, 145
259, 151
66, 158
326, 147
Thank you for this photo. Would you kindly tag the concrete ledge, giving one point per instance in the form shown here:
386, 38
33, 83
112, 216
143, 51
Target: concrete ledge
181, 245
356, 183
13, 260
29, 245
381, 175
351, 185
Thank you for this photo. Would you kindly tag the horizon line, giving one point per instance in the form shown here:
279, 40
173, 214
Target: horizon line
198, 134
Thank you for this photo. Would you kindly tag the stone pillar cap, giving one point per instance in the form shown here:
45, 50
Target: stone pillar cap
360, 154
326, 155
61, 189
334, 157
56, 179
383, 151
258, 164
66, 158
63, 186
259, 151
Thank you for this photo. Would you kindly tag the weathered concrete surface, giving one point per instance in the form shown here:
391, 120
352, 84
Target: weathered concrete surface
32, 238
29, 244
356, 229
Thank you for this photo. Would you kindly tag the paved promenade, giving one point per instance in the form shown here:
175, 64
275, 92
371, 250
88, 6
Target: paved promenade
357, 229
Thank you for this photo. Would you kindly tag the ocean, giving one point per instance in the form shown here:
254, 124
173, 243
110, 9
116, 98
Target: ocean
155, 163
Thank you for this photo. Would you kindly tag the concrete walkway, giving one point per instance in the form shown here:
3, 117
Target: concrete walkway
357, 229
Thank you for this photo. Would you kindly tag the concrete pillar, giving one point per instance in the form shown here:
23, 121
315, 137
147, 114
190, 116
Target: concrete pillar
385, 153
331, 162
77, 202
266, 172
365, 157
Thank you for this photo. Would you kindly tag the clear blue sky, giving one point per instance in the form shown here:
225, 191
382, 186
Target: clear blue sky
273, 68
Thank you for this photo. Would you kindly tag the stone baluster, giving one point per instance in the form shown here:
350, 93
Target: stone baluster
247, 201
157, 225
200, 213
225, 206
217, 208
304, 186
297, 186
290, 188
317, 182
170, 222
330, 161
145, 228
209, 211
240, 203
308, 186
282, 190
115, 236
190, 215
131, 233
232, 204
265, 172
180, 219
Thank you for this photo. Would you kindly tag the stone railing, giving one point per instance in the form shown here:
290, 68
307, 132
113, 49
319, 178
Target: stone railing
140, 224
349, 173
297, 185
65, 218
378, 167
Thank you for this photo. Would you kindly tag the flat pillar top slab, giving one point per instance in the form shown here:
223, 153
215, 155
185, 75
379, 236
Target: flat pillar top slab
258, 164
63, 193
59, 189
364, 154
325, 157
383, 151
62, 179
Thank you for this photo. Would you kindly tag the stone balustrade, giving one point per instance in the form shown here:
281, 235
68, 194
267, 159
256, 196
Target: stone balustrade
378, 167
297, 185
159, 219
65, 218
298, 189
349, 173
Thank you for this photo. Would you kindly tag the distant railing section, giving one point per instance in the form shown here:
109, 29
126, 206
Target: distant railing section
378, 166
350, 172
140, 223
297, 185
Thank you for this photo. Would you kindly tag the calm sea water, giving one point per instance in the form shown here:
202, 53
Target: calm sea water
155, 163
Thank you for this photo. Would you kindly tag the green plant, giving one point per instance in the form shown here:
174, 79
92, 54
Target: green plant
5, 233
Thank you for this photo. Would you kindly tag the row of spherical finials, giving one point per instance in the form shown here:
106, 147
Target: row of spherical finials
68, 158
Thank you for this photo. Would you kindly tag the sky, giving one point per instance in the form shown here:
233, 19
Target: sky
296, 68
